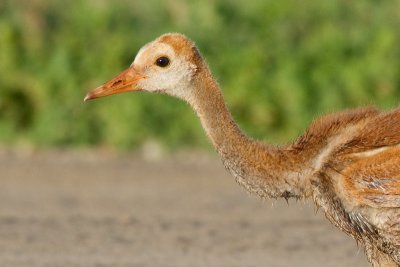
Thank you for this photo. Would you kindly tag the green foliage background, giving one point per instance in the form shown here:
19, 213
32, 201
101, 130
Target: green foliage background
280, 64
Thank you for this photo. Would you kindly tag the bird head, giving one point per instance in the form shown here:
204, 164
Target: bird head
166, 65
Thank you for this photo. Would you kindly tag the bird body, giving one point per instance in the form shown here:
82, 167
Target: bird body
347, 162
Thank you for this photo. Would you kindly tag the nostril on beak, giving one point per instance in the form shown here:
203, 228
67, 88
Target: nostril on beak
116, 83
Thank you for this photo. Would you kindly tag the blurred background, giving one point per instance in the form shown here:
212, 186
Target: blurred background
280, 64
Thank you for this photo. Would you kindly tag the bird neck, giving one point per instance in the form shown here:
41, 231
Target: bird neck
263, 169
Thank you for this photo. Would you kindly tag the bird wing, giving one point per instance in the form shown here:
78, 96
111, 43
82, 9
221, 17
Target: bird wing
374, 179
382, 130
372, 176
368, 159
328, 125
371, 189
361, 157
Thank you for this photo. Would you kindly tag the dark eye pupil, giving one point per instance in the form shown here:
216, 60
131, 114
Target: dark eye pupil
162, 61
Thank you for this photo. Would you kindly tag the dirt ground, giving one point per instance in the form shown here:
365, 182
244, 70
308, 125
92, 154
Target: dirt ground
64, 209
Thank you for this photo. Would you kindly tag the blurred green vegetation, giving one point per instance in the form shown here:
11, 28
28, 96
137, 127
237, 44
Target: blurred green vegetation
280, 64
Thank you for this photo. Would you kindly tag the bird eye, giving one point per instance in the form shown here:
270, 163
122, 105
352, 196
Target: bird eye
162, 62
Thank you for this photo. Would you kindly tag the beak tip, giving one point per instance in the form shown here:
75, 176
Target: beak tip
88, 97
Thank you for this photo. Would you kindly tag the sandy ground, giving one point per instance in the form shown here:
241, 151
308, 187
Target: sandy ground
101, 209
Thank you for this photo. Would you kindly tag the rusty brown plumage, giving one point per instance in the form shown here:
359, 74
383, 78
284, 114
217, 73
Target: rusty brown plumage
357, 183
347, 162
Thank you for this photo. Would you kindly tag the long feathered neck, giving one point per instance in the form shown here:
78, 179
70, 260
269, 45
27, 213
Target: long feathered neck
263, 169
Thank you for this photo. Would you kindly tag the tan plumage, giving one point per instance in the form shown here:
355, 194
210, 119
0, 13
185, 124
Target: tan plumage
348, 162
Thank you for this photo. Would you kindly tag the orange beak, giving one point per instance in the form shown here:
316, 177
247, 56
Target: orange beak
124, 82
